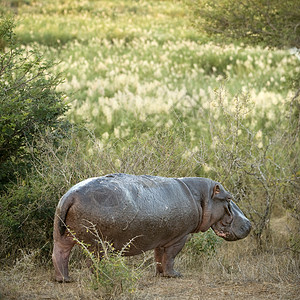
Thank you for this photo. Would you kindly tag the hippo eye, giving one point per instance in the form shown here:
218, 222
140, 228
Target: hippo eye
217, 190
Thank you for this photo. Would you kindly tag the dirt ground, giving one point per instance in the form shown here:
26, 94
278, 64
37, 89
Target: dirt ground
234, 272
198, 288
39, 285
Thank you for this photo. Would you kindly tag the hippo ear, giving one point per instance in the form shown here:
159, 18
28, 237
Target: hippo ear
216, 190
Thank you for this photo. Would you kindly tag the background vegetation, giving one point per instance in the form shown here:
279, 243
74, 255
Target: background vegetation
148, 93
270, 22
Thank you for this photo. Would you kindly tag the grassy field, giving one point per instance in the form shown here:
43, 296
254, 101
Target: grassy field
161, 98
131, 66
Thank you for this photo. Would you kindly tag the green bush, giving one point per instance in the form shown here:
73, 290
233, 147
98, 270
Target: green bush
273, 23
27, 211
203, 244
29, 103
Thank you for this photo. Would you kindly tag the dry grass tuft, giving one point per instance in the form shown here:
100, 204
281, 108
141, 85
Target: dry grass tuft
240, 262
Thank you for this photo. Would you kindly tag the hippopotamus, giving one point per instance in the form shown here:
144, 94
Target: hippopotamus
150, 211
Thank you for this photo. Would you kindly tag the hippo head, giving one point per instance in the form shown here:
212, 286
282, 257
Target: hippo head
223, 215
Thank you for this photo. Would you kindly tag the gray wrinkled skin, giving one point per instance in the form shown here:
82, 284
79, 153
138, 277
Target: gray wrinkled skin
157, 212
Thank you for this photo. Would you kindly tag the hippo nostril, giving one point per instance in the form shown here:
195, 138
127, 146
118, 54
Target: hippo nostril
246, 228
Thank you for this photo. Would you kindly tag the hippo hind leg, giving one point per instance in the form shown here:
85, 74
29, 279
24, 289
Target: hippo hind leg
60, 257
168, 257
158, 256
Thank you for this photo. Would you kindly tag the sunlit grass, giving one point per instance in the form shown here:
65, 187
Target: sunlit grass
134, 67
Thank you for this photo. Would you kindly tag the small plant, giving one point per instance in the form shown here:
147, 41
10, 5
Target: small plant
110, 271
204, 244
26, 262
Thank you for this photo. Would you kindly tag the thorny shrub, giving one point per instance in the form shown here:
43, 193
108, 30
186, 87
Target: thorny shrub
111, 271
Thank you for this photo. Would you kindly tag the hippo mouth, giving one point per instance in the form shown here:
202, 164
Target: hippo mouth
229, 234
225, 234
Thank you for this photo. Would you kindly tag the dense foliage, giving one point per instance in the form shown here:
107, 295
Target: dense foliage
29, 102
274, 23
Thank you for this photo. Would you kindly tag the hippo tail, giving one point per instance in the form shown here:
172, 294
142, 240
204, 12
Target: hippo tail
61, 213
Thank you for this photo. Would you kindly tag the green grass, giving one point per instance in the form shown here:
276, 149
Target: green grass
141, 64
101, 19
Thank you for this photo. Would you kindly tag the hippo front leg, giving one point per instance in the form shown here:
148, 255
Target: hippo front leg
168, 257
